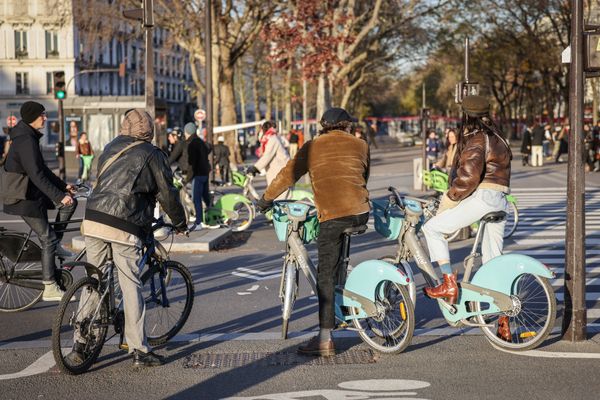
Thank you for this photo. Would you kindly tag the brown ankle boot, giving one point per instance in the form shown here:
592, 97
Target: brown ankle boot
447, 290
504, 329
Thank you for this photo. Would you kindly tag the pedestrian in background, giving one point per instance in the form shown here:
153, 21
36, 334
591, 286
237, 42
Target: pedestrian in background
198, 170
85, 155
547, 141
178, 156
293, 139
526, 146
222, 154
273, 156
372, 132
537, 145
562, 141
447, 160
432, 148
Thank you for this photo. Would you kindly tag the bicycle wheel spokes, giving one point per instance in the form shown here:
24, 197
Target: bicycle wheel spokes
169, 297
532, 318
83, 318
243, 217
14, 297
392, 329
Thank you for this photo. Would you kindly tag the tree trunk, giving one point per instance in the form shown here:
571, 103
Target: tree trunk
216, 94
305, 108
241, 89
269, 99
255, 98
323, 95
228, 114
287, 99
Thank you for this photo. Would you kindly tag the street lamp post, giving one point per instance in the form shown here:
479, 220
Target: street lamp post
209, 95
574, 321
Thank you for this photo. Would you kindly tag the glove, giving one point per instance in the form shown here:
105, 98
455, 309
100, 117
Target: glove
253, 170
446, 203
263, 205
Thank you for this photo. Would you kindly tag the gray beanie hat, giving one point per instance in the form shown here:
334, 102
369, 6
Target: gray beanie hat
138, 123
190, 128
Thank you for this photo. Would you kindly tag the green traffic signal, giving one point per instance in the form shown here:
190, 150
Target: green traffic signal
60, 95
59, 85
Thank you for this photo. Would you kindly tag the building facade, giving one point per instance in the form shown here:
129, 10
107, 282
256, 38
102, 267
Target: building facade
37, 39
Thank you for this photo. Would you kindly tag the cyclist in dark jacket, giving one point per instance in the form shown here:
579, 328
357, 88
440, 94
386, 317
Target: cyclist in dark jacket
198, 170
44, 191
222, 159
118, 220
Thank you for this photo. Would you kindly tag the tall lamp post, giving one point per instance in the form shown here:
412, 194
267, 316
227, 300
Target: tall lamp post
209, 95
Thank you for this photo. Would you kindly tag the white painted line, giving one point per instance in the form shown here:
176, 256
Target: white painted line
41, 365
553, 354
258, 272
588, 282
593, 313
253, 288
243, 293
256, 278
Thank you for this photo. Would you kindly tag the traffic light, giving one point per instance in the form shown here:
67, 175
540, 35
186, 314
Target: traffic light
60, 90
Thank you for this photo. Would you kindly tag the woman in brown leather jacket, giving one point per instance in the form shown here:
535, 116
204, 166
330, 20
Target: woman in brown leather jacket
480, 180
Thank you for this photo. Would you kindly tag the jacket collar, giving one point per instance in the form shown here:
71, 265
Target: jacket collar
24, 129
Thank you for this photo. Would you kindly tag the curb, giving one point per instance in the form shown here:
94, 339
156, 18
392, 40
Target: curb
202, 241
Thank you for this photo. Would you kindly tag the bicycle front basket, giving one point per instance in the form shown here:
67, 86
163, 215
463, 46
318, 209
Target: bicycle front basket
388, 220
239, 179
280, 223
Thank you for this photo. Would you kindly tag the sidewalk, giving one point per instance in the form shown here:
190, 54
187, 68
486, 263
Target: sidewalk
199, 241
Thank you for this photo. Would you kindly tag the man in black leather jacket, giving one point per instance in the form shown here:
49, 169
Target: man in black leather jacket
119, 216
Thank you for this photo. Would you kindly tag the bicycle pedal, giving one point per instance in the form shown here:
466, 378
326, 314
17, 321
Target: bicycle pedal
124, 347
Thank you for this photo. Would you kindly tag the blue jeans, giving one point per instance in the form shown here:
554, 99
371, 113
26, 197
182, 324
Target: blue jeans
200, 192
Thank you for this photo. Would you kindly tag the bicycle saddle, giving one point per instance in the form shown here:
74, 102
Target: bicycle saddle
495, 216
356, 230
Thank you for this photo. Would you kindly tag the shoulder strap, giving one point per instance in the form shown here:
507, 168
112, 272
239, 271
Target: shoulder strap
114, 158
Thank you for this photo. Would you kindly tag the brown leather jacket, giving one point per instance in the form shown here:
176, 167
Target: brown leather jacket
338, 164
484, 162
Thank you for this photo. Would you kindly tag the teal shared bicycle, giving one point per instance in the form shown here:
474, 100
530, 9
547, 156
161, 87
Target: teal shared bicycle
373, 297
513, 285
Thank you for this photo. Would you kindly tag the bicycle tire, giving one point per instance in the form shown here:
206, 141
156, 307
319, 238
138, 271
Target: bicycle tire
246, 218
407, 314
15, 298
509, 230
288, 296
172, 269
538, 337
66, 306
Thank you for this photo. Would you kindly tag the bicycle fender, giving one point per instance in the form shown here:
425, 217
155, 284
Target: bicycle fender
500, 273
366, 276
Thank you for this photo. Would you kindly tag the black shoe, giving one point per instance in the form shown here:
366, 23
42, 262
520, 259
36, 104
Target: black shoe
76, 356
149, 359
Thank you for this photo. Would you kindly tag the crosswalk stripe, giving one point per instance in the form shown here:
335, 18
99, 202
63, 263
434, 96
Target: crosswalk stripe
595, 296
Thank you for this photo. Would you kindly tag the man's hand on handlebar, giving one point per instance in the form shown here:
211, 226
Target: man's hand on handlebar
71, 189
67, 200
252, 170
263, 205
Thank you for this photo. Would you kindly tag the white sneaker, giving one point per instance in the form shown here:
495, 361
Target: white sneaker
61, 252
52, 292
196, 227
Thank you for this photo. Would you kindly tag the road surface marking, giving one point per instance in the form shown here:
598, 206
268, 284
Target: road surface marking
41, 365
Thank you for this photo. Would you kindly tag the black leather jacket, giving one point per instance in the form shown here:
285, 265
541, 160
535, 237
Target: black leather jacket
126, 193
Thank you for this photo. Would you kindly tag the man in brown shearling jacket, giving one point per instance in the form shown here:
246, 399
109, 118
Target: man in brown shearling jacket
338, 164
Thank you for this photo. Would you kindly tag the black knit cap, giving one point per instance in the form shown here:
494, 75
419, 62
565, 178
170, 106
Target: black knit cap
30, 111
335, 115
476, 106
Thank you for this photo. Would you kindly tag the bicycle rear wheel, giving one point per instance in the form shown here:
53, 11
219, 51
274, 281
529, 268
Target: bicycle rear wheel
533, 318
15, 297
166, 311
391, 331
244, 214
85, 317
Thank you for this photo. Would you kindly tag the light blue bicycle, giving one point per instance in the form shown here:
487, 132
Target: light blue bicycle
373, 297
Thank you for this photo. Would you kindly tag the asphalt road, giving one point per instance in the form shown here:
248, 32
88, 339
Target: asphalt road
237, 312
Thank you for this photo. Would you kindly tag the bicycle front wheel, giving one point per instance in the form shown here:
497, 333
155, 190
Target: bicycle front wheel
82, 317
391, 330
532, 318
512, 220
15, 297
168, 293
244, 214
288, 295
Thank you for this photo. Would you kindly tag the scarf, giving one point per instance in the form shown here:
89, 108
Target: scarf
264, 140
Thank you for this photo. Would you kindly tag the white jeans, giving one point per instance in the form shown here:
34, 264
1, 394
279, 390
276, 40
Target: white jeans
537, 156
468, 211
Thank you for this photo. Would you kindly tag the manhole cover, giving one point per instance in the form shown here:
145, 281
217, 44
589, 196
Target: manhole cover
232, 360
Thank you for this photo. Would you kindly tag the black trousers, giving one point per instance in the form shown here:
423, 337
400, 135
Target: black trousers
329, 244
49, 238
224, 169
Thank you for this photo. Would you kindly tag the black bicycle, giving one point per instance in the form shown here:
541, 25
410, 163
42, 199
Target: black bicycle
21, 285
93, 304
